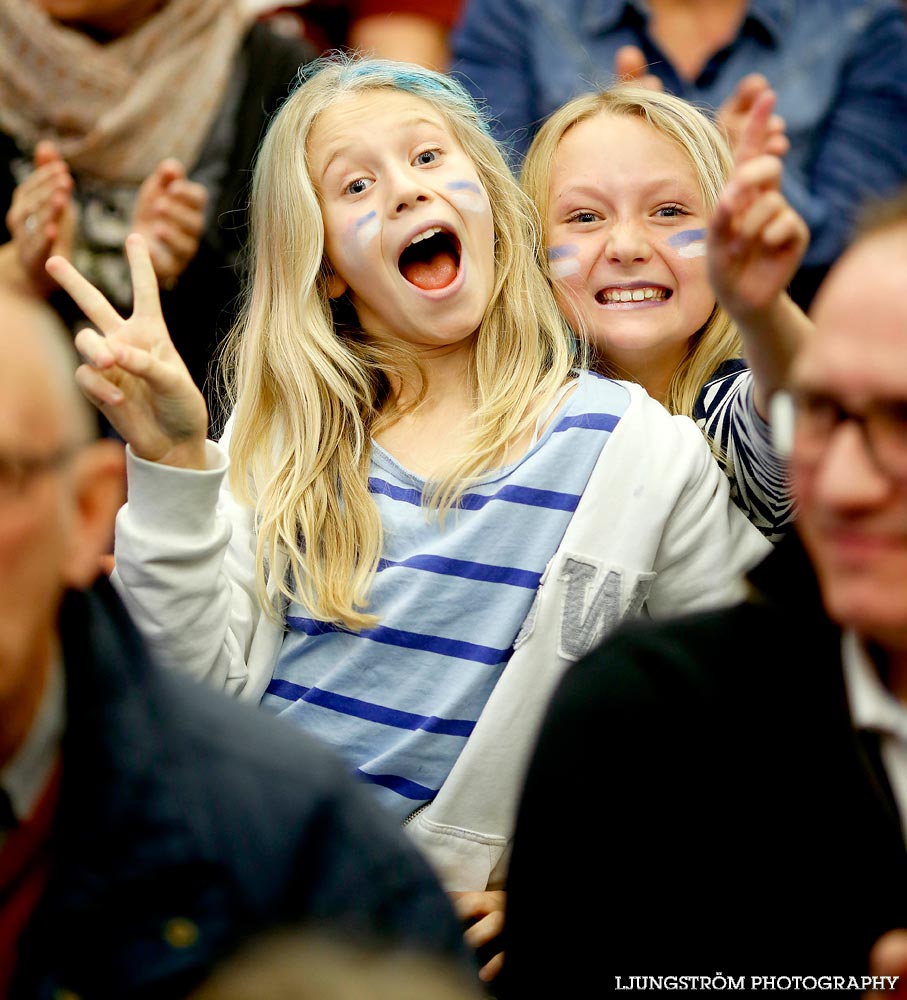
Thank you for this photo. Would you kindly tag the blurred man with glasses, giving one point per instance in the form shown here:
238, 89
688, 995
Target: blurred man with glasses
746, 770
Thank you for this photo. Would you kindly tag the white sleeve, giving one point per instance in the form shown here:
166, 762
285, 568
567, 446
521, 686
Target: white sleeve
707, 543
185, 568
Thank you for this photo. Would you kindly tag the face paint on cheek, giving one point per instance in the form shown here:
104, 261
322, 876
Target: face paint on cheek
468, 196
689, 243
366, 228
562, 260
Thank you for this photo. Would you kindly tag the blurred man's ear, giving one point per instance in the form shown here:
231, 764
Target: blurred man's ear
100, 486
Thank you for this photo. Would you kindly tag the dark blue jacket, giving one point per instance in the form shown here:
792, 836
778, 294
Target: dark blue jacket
188, 822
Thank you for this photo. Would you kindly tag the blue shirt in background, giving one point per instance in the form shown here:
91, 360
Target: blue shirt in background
839, 68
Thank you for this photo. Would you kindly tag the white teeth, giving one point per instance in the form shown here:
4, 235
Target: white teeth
632, 294
424, 236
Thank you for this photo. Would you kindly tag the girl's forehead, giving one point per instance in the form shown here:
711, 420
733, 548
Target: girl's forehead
355, 114
607, 127
366, 123
620, 149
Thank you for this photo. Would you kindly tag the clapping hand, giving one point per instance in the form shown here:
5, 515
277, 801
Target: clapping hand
41, 218
170, 214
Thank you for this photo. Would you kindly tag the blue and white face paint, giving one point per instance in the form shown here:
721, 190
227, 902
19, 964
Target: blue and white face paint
367, 228
689, 243
468, 196
563, 260
626, 226
408, 228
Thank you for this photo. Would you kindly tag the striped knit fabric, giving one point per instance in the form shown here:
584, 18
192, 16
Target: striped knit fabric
399, 701
758, 475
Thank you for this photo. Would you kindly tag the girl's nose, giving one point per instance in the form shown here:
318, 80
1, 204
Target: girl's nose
627, 243
408, 191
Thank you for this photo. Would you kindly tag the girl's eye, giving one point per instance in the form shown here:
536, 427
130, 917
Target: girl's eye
671, 211
358, 186
583, 216
426, 156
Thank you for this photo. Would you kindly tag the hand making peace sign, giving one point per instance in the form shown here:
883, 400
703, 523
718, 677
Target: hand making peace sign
132, 371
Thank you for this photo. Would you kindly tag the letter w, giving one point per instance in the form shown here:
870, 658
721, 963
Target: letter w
587, 617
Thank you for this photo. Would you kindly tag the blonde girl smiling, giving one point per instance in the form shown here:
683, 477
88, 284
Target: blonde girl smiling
628, 182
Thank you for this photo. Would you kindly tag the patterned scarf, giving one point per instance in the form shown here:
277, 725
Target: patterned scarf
117, 109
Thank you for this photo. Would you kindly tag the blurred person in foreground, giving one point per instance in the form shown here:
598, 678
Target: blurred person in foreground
299, 964
149, 826
749, 766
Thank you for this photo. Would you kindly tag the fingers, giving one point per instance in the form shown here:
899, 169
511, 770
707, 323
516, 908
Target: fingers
146, 295
95, 349
183, 206
97, 389
629, 62
760, 215
492, 968
752, 212
39, 200
469, 905
630, 66
95, 306
755, 131
487, 910
169, 170
170, 214
108, 360
484, 930
785, 229
889, 958
776, 140
171, 251
760, 174
46, 152
750, 181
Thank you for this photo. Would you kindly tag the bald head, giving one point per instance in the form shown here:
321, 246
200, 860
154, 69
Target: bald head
39, 366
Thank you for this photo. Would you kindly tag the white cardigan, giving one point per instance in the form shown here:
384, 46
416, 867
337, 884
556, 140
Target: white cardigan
655, 532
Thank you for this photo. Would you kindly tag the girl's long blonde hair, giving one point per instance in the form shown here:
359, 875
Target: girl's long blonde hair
309, 388
707, 150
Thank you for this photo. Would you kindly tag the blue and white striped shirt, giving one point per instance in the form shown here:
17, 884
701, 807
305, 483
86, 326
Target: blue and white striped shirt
399, 701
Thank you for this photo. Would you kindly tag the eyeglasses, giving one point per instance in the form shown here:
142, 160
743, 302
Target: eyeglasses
17, 471
803, 424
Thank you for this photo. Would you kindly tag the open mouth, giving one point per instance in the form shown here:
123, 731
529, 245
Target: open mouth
642, 293
431, 260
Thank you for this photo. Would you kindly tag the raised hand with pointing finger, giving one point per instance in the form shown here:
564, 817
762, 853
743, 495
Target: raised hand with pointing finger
131, 370
756, 241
